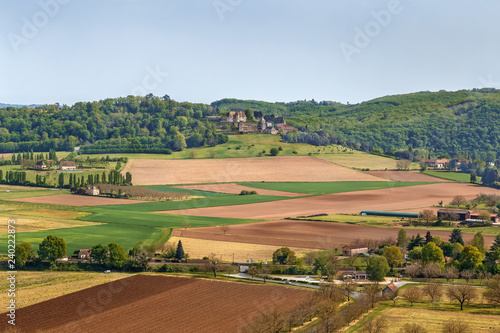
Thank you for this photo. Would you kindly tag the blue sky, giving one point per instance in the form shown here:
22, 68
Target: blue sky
283, 50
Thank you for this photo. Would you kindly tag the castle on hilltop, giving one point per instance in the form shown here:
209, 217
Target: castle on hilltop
266, 124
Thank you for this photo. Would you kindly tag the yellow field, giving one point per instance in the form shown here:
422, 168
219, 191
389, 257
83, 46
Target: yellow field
433, 320
42, 219
361, 160
35, 287
199, 248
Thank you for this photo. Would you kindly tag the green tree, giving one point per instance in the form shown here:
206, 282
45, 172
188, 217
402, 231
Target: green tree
428, 237
117, 255
470, 258
456, 236
274, 151
432, 253
284, 256
393, 256
179, 254
496, 243
249, 114
52, 248
402, 239
61, 180
99, 254
478, 241
377, 267
24, 251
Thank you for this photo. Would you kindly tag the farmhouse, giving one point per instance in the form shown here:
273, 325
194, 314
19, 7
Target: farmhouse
82, 254
350, 250
493, 217
390, 291
454, 214
440, 163
248, 127
92, 190
352, 273
67, 165
235, 117
40, 165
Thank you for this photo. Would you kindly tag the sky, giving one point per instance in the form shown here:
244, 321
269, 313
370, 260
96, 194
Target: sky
68, 51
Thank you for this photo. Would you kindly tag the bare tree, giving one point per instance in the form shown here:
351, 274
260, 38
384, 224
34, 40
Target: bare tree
413, 328
349, 286
186, 225
213, 264
375, 325
268, 321
403, 164
456, 326
462, 293
431, 270
467, 275
434, 290
458, 201
450, 273
492, 293
372, 292
351, 259
492, 200
253, 271
427, 215
412, 294
225, 228
413, 270
213, 154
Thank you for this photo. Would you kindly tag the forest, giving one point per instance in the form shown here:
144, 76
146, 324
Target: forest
462, 124
128, 124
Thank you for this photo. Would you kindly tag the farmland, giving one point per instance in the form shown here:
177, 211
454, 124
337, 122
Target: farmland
255, 169
405, 176
450, 175
76, 200
360, 160
214, 304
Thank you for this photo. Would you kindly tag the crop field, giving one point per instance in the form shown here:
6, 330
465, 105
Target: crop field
236, 189
199, 248
396, 198
256, 169
76, 200
318, 188
450, 175
405, 176
120, 303
304, 234
36, 287
29, 192
361, 160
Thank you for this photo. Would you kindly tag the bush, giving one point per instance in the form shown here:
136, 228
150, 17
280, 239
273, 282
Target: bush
245, 192
274, 151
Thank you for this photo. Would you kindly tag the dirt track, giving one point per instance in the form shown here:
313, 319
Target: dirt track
400, 198
236, 189
255, 169
406, 176
77, 200
305, 234
144, 303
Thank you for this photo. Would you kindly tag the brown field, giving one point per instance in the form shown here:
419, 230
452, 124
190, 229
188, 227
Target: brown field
254, 169
77, 200
145, 303
406, 176
36, 287
398, 198
199, 248
305, 234
236, 189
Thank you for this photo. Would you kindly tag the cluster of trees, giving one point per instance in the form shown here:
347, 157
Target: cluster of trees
50, 249
127, 124
113, 177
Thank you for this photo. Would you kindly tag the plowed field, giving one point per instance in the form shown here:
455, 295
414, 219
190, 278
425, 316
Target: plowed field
254, 169
305, 234
397, 198
156, 304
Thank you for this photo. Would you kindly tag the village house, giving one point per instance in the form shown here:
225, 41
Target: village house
82, 254
235, 117
457, 214
40, 165
92, 190
441, 163
390, 291
351, 272
67, 165
350, 250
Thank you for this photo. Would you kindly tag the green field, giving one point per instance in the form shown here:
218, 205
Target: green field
167, 188
450, 175
17, 194
330, 187
248, 145
360, 160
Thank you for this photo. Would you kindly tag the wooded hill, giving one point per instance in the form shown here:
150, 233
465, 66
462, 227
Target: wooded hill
465, 122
